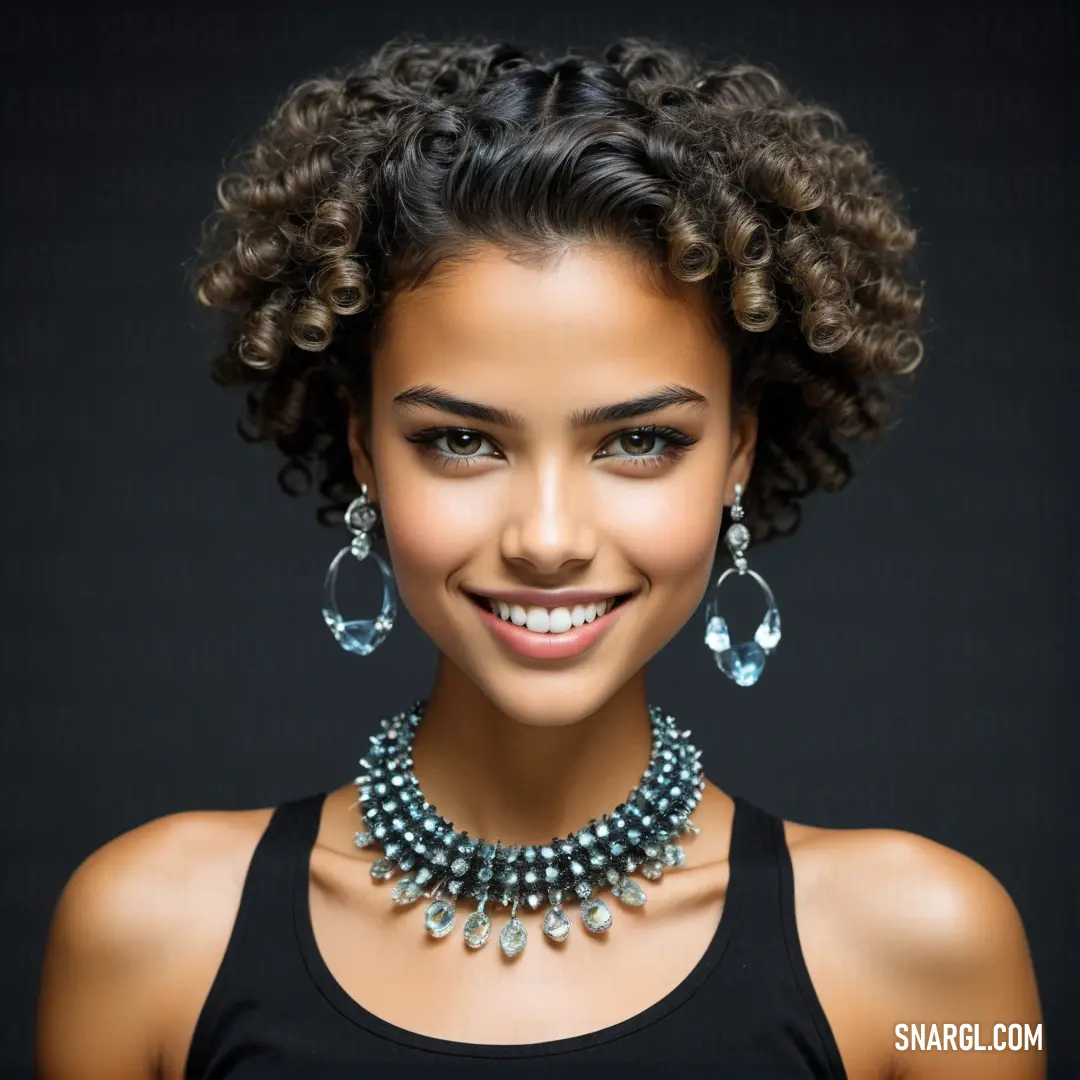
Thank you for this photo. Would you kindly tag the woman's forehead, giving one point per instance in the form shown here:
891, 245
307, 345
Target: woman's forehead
593, 313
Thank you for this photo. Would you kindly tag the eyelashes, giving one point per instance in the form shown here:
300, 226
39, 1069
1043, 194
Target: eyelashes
678, 444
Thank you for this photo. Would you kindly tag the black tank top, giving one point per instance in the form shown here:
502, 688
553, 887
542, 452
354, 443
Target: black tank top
747, 1009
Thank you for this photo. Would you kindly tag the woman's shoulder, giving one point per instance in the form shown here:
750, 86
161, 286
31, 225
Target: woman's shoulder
162, 861
112, 963
903, 891
896, 928
923, 929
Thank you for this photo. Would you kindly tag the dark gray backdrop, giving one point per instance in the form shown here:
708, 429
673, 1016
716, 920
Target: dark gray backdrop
164, 647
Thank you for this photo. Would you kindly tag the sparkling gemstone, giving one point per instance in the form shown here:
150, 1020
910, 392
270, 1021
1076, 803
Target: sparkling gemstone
767, 634
585, 838
439, 918
744, 663
477, 930
533, 900
612, 874
422, 876
485, 873
583, 889
362, 516
382, 869
455, 887
363, 839
595, 915
653, 869
513, 937
551, 873
459, 867
556, 924
717, 635
548, 852
674, 855
406, 891
601, 830
737, 538
629, 892
577, 869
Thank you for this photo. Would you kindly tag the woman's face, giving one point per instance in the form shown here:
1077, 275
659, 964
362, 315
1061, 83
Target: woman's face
540, 496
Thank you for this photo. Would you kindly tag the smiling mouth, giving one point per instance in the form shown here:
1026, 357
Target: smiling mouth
519, 615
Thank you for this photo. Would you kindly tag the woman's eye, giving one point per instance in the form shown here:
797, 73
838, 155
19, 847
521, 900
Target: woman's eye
636, 443
452, 446
464, 442
640, 445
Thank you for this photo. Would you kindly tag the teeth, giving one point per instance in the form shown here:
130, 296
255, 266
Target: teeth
550, 621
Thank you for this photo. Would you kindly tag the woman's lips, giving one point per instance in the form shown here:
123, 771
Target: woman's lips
549, 646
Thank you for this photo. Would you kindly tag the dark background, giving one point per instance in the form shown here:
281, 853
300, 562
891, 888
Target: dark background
164, 647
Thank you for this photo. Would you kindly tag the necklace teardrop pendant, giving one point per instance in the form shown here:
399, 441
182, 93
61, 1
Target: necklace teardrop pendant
629, 892
477, 929
513, 937
556, 924
382, 869
439, 918
596, 916
406, 891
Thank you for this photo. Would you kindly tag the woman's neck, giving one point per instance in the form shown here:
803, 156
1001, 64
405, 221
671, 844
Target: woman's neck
522, 783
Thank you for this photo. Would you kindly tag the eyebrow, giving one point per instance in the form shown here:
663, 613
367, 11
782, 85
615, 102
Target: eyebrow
437, 398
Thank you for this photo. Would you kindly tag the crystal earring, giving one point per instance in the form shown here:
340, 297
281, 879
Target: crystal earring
745, 661
360, 636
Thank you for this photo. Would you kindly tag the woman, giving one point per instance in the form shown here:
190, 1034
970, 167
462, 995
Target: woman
538, 325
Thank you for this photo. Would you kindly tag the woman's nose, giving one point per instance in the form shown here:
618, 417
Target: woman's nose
549, 519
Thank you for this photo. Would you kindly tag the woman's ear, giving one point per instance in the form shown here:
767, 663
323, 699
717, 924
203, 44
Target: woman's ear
359, 439
743, 443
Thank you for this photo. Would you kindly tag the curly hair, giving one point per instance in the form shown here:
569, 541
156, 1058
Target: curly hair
361, 184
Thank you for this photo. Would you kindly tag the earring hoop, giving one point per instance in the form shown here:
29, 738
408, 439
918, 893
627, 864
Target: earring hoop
361, 637
744, 661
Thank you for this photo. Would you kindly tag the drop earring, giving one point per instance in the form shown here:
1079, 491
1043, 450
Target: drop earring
745, 661
359, 636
